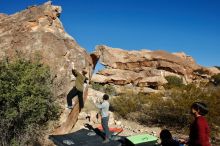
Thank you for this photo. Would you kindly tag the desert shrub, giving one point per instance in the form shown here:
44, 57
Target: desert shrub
176, 107
216, 79
124, 104
97, 86
106, 88
172, 108
26, 101
173, 81
109, 89
130, 102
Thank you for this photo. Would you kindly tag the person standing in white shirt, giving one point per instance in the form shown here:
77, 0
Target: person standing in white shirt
104, 109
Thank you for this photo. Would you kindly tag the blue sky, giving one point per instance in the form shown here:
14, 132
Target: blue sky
190, 26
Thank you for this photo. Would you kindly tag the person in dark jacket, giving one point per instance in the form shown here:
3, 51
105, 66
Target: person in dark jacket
167, 139
77, 89
199, 129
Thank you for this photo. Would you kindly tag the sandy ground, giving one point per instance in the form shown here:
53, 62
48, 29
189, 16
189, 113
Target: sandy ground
129, 127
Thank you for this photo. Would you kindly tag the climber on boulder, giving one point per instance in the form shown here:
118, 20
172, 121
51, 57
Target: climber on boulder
77, 90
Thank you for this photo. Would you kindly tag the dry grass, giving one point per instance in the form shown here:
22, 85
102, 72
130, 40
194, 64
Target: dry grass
170, 109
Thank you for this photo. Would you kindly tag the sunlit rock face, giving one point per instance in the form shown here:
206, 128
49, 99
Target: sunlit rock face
146, 68
37, 33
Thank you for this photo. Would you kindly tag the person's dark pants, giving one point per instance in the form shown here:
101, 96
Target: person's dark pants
105, 127
74, 92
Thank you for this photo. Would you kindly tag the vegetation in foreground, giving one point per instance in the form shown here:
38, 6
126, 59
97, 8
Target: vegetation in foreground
26, 102
170, 109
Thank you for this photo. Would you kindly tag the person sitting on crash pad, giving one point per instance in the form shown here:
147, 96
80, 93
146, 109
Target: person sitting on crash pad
167, 139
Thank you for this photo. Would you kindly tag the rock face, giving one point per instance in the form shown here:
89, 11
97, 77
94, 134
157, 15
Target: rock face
38, 32
146, 68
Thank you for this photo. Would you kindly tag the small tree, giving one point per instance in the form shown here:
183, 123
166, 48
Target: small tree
26, 101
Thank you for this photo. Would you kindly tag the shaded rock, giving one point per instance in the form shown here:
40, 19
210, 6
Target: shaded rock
152, 81
134, 90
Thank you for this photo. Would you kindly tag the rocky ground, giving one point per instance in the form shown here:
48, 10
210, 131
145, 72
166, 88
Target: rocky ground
129, 127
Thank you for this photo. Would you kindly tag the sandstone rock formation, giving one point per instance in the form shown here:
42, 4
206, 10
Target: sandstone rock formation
38, 33
146, 68
94, 95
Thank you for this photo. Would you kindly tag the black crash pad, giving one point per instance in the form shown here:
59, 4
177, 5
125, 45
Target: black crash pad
82, 137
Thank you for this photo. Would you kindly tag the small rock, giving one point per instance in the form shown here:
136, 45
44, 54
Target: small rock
82, 115
118, 123
141, 130
154, 133
135, 130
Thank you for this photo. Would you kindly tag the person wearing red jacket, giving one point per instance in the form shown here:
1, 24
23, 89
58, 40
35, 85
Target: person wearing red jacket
199, 129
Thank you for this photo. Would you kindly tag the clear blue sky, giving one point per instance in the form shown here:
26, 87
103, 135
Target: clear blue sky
191, 26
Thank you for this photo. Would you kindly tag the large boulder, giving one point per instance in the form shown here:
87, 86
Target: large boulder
133, 60
123, 77
127, 89
37, 33
146, 68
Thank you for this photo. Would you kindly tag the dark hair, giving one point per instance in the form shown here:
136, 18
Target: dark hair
105, 97
84, 72
200, 107
165, 135
73, 72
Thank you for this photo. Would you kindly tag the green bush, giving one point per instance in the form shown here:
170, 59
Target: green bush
109, 89
176, 107
26, 101
216, 79
97, 86
131, 103
173, 81
125, 104
106, 88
